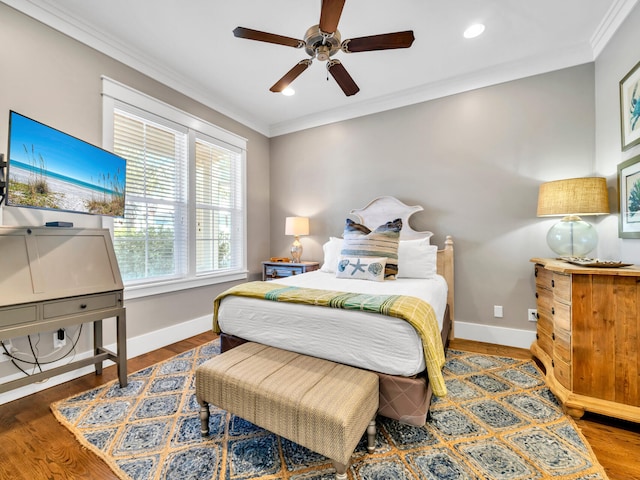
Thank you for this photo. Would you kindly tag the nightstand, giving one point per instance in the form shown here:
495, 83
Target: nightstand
275, 270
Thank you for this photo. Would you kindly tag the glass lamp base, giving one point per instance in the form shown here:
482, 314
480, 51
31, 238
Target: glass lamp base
296, 251
572, 237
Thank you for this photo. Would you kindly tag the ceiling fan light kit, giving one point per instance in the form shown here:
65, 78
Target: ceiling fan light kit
322, 41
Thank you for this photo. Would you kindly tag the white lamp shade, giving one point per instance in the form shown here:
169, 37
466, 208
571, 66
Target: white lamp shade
296, 226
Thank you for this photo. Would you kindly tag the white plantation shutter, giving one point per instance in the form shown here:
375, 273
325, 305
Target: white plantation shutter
150, 241
185, 195
219, 206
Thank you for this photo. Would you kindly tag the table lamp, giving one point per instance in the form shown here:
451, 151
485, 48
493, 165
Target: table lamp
571, 198
296, 226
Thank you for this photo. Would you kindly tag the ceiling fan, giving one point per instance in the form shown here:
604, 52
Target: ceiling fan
322, 41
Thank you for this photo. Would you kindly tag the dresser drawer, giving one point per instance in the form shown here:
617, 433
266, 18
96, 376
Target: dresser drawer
562, 346
562, 287
77, 305
545, 343
16, 315
561, 317
562, 372
545, 324
543, 277
544, 302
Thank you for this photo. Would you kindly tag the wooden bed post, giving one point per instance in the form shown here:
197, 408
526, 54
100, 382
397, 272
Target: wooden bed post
445, 268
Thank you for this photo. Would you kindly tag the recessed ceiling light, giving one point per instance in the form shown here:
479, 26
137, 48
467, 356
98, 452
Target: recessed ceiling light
288, 91
474, 30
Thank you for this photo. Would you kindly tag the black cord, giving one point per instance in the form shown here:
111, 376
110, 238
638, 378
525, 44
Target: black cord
35, 356
36, 362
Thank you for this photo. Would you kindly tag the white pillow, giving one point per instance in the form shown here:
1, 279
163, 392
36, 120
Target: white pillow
331, 251
362, 268
417, 259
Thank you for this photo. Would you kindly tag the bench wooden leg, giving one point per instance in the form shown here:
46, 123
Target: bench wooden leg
341, 470
371, 436
204, 417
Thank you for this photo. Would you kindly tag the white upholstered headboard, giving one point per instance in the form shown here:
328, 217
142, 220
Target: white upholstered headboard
384, 209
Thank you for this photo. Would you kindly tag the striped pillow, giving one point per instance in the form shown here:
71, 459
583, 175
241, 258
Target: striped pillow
359, 241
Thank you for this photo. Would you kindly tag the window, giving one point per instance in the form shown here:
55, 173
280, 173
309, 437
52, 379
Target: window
184, 222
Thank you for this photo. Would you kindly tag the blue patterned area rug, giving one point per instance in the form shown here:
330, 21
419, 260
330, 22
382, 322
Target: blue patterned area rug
499, 421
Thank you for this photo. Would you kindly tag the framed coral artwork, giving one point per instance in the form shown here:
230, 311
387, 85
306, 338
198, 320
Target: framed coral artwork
629, 188
630, 108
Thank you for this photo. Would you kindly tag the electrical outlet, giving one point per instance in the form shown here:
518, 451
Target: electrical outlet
497, 311
58, 342
533, 315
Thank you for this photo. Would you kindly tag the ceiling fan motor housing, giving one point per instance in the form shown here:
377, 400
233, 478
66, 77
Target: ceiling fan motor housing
321, 45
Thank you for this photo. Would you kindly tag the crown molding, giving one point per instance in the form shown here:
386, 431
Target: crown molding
55, 17
612, 20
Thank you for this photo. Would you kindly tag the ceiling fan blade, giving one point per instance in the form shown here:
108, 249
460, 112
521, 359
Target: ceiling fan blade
291, 75
330, 15
384, 41
342, 77
250, 34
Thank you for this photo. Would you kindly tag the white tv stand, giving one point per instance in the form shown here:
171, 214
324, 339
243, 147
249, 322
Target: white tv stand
55, 277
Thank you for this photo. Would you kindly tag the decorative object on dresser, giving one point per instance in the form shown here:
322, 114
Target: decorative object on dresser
629, 189
587, 336
571, 198
278, 269
56, 277
630, 108
296, 226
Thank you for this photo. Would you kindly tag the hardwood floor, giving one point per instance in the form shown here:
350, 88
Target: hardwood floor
34, 446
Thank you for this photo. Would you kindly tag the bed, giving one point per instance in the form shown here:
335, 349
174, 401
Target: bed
389, 346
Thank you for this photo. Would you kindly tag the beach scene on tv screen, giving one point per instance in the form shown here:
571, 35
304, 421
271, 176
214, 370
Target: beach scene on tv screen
50, 169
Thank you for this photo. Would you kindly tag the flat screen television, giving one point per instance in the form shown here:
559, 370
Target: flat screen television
50, 169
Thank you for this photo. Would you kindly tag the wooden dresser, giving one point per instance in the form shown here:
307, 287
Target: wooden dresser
588, 336
55, 277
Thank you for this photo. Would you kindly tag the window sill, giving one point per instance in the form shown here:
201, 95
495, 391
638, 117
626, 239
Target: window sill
158, 288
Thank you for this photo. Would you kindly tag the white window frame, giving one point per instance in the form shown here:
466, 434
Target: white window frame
114, 94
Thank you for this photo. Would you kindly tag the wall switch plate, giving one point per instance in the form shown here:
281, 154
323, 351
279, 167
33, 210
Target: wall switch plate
532, 315
497, 311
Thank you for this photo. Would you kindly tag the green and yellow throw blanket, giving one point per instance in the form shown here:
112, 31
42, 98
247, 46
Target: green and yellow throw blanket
416, 311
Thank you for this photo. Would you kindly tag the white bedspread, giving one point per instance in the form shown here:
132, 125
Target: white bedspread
366, 340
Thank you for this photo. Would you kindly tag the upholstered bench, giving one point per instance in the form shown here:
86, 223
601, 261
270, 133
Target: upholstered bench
323, 406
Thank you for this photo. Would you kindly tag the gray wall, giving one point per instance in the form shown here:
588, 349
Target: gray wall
473, 160
619, 56
56, 80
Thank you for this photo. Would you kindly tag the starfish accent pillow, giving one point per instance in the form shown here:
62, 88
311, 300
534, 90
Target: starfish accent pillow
365, 268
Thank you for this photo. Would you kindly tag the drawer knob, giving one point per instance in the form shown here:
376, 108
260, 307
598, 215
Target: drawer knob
537, 315
273, 274
553, 311
553, 336
535, 272
553, 283
83, 306
536, 294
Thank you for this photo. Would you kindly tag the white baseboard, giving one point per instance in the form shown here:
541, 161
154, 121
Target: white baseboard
511, 337
135, 346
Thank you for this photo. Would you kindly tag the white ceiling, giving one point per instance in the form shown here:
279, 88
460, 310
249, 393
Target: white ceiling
189, 46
